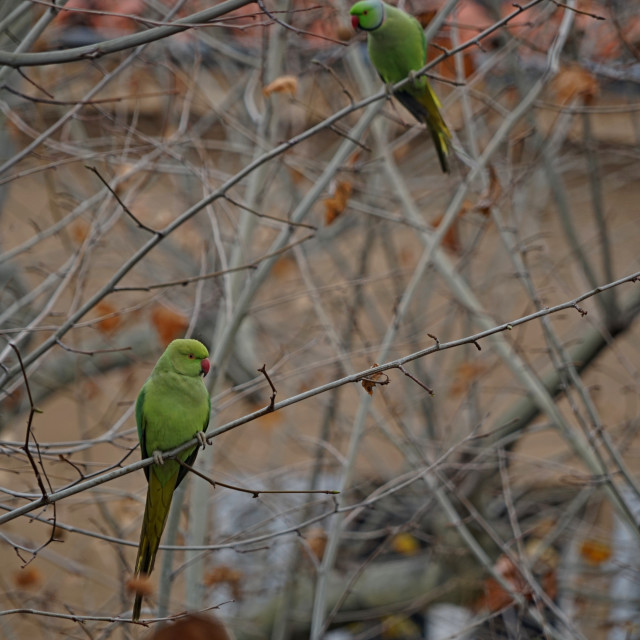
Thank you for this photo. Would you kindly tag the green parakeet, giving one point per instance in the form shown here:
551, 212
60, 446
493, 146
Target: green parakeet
397, 47
173, 406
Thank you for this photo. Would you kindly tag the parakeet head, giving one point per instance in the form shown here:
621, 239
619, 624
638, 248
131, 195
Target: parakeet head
188, 357
367, 14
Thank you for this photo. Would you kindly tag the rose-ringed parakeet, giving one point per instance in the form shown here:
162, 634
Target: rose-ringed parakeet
397, 47
173, 406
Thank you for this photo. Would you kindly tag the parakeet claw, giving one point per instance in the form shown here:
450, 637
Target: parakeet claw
201, 438
413, 76
158, 458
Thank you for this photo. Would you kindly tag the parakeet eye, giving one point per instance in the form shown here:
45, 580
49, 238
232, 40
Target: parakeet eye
365, 13
191, 356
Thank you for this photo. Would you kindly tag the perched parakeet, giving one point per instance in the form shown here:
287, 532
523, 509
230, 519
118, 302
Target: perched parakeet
173, 406
397, 47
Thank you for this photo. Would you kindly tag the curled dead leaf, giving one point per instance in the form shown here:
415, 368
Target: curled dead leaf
283, 84
335, 205
370, 382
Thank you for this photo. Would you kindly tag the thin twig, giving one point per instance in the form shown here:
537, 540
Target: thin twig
93, 352
118, 471
272, 399
45, 496
122, 204
296, 30
418, 382
254, 492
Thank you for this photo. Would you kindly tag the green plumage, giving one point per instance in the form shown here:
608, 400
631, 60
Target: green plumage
173, 405
397, 46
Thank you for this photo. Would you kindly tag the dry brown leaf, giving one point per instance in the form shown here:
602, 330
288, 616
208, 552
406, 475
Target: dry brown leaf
79, 231
140, 585
491, 194
425, 17
595, 552
353, 158
297, 176
111, 319
27, 578
317, 541
335, 206
573, 81
466, 374
370, 382
91, 389
224, 574
451, 238
12, 400
283, 267
169, 324
283, 84
401, 152
344, 32
496, 597
120, 172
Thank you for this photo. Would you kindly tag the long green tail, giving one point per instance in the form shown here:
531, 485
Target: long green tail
425, 107
155, 516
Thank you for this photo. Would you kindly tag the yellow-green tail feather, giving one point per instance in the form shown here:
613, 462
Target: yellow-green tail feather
156, 511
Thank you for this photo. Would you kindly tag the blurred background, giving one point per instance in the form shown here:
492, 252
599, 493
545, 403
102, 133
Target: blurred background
173, 169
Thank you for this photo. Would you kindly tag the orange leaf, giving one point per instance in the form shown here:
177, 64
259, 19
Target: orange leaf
451, 238
595, 552
317, 541
224, 574
335, 206
466, 374
169, 324
111, 320
425, 17
573, 81
283, 84
283, 267
26, 578
79, 231
139, 585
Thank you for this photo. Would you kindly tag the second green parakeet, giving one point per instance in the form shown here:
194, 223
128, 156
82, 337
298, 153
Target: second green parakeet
173, 407
397, 47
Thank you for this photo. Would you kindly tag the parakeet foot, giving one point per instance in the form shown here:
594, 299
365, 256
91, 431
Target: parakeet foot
413, 77
158, 458
201, 438
388, 88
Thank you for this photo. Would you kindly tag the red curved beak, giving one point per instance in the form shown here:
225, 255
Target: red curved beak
205, 365
355, 22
